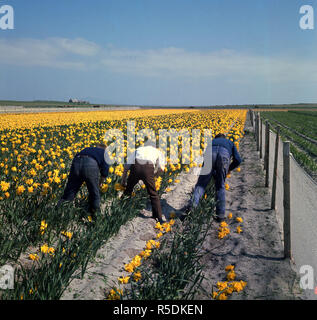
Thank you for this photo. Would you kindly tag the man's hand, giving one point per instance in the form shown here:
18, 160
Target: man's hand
124, 182
159, 172
124, 177
102, 180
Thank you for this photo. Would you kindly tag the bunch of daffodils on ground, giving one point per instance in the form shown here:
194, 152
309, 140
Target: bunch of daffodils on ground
228, 287
224, 229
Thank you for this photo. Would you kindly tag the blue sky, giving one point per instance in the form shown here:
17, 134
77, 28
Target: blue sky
150, 52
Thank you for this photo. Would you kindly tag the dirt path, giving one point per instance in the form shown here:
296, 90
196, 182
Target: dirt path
256, 253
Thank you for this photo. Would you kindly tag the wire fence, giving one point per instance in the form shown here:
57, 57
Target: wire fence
294, 197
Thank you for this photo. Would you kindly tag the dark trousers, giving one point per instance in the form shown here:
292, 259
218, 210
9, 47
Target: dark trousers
83, 169
145, 172
220, 167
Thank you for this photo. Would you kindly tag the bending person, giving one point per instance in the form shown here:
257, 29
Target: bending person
222, 151
142, 165
88, 166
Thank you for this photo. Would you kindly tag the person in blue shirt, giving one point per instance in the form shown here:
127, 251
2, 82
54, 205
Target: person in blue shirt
222, 151
88, 166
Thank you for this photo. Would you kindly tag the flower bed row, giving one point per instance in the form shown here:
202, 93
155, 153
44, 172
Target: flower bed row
169, 268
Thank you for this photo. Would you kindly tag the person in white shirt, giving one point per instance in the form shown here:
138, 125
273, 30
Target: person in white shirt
146, 163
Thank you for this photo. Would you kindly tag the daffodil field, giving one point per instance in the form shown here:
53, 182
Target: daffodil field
49, 246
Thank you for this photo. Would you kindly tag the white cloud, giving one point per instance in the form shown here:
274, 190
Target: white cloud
78, 46
51, 52
235, 67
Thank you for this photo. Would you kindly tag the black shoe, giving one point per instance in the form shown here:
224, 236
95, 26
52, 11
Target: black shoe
161, 221
218, 219
188, 210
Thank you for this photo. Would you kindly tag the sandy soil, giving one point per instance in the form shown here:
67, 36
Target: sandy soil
257, 252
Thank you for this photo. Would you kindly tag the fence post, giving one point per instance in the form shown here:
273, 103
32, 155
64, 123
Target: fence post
251, 116
257, 132
256, 128
261, 140
287, 199
265, 144
267, 152
273, 202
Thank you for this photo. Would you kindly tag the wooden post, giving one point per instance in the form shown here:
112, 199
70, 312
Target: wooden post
267, 152
273, 200
258, 132
265, 143
256, 128
254, 118
261, 139
287, 199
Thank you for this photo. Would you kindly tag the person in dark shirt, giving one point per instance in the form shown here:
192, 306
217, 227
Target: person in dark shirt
88, 166
220, 155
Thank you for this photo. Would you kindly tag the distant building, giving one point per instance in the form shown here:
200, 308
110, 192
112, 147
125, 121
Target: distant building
71, 100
